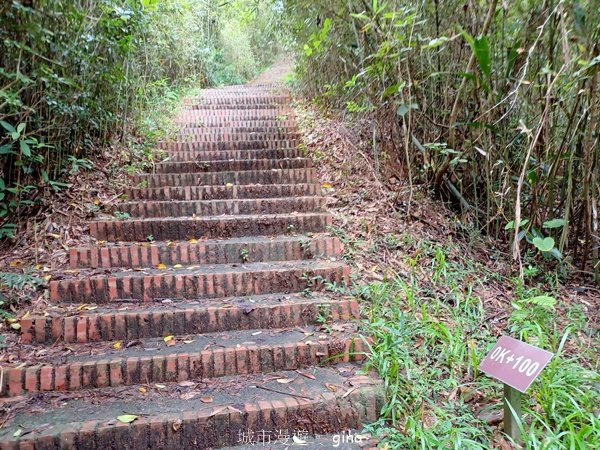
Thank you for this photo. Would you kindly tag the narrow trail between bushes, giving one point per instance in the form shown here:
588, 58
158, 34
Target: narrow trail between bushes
205, 316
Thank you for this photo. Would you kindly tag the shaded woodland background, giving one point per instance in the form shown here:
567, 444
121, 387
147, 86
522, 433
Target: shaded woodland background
492, 106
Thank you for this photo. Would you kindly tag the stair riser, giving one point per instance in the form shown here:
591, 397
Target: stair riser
130, 325
180, 366
223, 192
222, 252
216, 208
236, 136
220, 155
234, 145
186, 229
214, 427
234, 165
234, 114
140, 288
242, 99
278, 176
200, 131
215, 124
205, 107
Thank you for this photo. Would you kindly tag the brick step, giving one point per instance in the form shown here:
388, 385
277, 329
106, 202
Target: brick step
267, 105
197, 282
231, 165
235, 114
237, 136
236, 178
127, 321
223, 192
203, 208
209, 251
201, 415
214, 122
191, 130
243, 98
231, 145
215, 155
196, 357
220, 227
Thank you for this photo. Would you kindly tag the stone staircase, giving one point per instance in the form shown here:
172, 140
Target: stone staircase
203, 312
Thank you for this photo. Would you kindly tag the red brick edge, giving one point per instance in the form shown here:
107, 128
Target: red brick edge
214, 426
211, 363
127, 325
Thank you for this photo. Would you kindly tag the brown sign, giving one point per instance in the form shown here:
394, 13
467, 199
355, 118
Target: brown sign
515, 363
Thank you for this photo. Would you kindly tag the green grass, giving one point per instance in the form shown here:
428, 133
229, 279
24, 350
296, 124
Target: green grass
430, 334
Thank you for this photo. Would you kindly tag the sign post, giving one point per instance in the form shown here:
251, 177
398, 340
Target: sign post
512, 412
517, 364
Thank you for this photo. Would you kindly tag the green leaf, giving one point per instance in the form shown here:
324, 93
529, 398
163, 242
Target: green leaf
390, 90
511, 225
554, 223
403, 109
6, 149
127, 418
482, 53
542, 300
25, 148
543, 245
8, 127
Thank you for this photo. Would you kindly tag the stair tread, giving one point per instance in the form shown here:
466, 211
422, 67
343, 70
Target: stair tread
232, 240
311, 335
221, 217
282, 266
239, 200
246, 302
172, 402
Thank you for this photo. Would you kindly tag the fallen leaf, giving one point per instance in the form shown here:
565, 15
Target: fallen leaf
176, 425
326, 186
284, 380
143, 390
177, 266
168, 338
117, 345
15, 326
306, 374
188, 341
16, 263
18, 432
187, 384
127, 418
206, 399
161, 266
188, 395
331, 387
193, 241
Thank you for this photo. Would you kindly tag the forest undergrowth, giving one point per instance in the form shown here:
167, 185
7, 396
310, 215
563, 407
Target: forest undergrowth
436, 295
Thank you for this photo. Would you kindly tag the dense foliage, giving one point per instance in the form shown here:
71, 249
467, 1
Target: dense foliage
494, 105
75, 74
